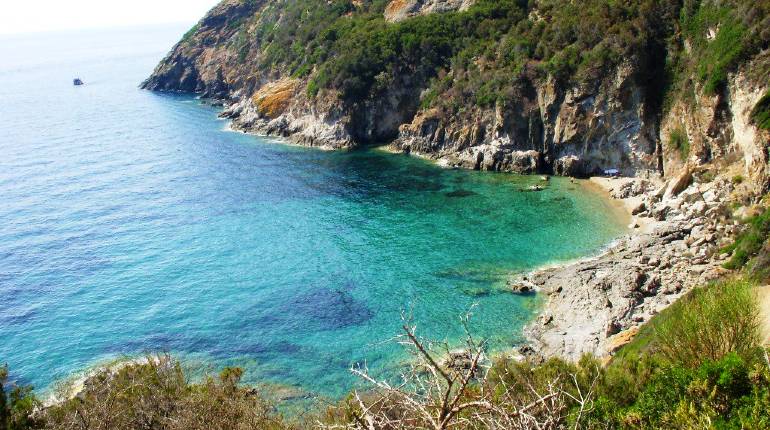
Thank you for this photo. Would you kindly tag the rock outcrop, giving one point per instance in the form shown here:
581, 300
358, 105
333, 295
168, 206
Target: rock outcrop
570, 131
398, 10
592, 301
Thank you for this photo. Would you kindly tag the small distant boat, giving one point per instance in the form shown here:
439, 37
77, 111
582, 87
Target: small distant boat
77, 81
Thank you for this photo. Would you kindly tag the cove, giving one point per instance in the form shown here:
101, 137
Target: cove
134, 222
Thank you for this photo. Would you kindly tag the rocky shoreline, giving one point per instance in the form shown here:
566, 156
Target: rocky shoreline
616, 118
597, 305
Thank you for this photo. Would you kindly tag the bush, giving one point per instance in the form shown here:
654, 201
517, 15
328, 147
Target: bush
156, 395
724, 393
715, 58
17, 404
760, 115
709, 323
679, 141
749, 244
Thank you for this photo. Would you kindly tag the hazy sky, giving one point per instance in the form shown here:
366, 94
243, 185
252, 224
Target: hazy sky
47, 15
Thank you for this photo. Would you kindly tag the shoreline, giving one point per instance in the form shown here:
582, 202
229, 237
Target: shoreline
73, 384
593, 304
596, 304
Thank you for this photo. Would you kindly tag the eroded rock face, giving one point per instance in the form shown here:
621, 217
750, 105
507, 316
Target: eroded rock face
718, 129
398, 10
206, 66
572, 131
549, 126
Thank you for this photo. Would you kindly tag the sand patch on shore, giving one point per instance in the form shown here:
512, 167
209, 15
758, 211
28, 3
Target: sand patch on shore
607, 185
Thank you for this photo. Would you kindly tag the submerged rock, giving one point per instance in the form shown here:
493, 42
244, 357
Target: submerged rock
460, 193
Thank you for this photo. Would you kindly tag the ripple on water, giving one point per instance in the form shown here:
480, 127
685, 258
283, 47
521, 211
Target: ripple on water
132, 223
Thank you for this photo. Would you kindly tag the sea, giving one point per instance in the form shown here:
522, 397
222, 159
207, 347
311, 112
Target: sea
136, 223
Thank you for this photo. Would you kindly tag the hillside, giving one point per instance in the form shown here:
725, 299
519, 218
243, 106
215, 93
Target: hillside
569, 88
668, 328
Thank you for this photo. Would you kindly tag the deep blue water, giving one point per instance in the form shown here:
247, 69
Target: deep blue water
133, 222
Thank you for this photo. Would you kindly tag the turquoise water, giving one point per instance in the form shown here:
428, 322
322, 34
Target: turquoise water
133, 222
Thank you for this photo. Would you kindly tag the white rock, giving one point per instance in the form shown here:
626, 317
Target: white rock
698, 208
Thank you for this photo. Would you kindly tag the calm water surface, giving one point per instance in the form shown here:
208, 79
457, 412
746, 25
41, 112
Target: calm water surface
133, 222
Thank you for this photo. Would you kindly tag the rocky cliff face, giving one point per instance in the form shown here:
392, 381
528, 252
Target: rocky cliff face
719, 131
398, 10
573, 127
569, 130
201, 62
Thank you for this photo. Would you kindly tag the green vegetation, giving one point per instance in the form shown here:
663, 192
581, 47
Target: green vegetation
492, 52
17, 404
709, 323
760, 115
679, 142
719, 37
191, 32
156, 395
751, 249
697, 364
719, 55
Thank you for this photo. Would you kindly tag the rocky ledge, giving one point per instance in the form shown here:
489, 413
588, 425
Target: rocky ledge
597, 305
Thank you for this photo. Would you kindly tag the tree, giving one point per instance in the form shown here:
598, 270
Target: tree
3, 400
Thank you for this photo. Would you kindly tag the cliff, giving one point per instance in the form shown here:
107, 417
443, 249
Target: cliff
541, 86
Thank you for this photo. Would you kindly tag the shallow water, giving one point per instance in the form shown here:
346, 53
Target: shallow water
134, 222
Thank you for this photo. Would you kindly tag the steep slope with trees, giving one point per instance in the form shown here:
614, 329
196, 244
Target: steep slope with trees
556, 86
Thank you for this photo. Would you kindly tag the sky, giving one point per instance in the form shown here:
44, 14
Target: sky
28, 16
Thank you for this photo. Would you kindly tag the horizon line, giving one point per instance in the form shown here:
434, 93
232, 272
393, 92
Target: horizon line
98, 27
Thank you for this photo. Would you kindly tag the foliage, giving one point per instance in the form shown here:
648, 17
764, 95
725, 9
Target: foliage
717, 56
708, 323
17, 404
664, 379
492, 53
3, 399
370, 53
751, 248
760, 115
191, 32
718, 36
679, 142
155, 394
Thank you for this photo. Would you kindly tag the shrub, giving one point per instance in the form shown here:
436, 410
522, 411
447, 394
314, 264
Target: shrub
724, 393
709, 323
749, 243
714, 58
156, 395
760, 115
191, 32
17, 404
679, 141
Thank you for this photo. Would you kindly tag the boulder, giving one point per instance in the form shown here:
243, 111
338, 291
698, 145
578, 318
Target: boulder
641, 207
679, 184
